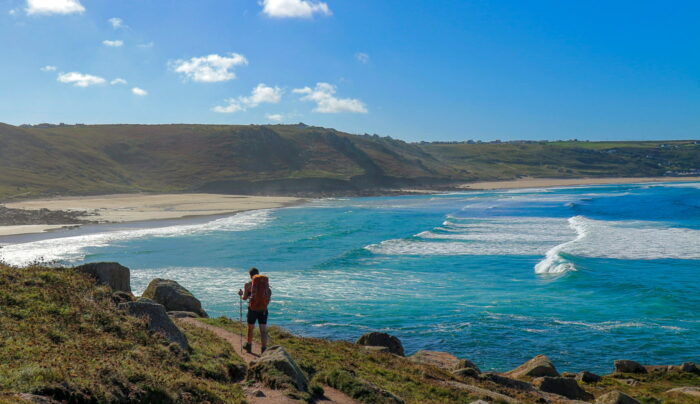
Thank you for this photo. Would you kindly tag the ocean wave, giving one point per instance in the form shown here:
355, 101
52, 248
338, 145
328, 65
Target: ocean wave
73, 248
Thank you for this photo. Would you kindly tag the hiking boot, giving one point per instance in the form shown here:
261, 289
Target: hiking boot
248, 348
262, 350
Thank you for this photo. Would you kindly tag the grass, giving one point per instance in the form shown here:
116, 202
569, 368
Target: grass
61, 336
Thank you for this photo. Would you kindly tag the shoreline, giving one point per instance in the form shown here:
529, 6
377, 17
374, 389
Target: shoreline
530, 182
128, 208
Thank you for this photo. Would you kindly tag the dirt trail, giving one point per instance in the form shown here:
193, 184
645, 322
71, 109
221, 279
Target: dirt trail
332, 396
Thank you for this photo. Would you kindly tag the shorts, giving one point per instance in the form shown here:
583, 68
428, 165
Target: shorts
260, 316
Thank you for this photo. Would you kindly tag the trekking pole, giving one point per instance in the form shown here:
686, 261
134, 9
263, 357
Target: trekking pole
240, 318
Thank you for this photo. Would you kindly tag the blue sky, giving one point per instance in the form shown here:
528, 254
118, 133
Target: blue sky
415, 70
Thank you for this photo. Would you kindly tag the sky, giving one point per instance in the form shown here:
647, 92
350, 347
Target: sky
414, 70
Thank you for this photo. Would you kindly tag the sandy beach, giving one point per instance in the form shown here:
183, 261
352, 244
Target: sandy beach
141, 207
568, 182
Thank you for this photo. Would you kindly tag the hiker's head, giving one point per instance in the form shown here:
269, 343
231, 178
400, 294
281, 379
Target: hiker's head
253, 272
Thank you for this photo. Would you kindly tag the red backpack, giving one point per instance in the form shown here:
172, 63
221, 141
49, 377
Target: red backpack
260, 293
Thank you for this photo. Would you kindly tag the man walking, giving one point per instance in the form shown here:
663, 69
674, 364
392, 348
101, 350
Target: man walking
258, 294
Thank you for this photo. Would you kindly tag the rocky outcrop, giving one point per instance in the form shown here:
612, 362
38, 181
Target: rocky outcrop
562, 386
616, 397
382, 339
277, 369
372, 348
538, 366
157, 319
183, 314
506, 381
628, 366
690, 367
442, 360
112, 274
466, 372
588, 377
686, 391
173, 296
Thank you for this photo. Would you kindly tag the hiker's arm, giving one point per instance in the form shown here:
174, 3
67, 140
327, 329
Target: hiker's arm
246, 292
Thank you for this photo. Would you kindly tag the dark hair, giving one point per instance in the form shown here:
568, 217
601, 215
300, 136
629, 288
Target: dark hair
253, 271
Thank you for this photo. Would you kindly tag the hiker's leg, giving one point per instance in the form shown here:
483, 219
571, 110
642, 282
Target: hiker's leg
251, 329
263, 335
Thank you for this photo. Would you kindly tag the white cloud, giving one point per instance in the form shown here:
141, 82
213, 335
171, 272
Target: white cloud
262, 93
54, 7
114, 44
326, 101
118, 80
117, 23
209, 69
146, 45
294, 8
275, 117
139, 91
362, 57
48, 68
80, 80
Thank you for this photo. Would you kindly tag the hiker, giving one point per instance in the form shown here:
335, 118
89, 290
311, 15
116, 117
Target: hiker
258, 294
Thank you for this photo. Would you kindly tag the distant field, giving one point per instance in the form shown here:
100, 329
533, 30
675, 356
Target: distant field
294, 159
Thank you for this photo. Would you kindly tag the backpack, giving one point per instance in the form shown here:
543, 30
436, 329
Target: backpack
259, 293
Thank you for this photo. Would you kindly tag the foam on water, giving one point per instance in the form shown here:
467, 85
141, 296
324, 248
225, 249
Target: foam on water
73, 248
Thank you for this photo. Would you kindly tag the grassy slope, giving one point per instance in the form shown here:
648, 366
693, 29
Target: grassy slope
62, 336
96, 159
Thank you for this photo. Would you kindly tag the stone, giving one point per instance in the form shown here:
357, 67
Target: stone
466, 372
616, 397
562, 386
183, 314
686, 391
689, 367
538, 366
173, 296
112, 274
442, 360
568, 374
157, 319
258, 393
382, 339
506, 381
628, 366
588, 377
277, 369
122, 297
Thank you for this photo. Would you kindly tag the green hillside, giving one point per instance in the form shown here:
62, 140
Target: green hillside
293, 159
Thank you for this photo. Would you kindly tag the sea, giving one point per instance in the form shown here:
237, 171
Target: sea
585, 275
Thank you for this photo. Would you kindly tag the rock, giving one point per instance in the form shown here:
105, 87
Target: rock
442, 360
627, 366
278, 370
563, 386
173, 296
506, 381
588, 377
112, 274
538, 366
373, 348
615, 397
631, 382
571, 375
466, 372
157, 319
36, 399
689, 367
686, 391
258, 393
183, 314
122, 297
382, 339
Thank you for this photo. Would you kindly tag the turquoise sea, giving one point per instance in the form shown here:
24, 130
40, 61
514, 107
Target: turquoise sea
585, 275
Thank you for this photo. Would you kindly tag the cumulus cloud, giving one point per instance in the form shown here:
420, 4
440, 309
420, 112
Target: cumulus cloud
48, 7
114, 44
116, 23
275, 117
139, 91
362, 57
80, 80
118, 80
209, 69
261, 94
48, 68
294, 8
326, 101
